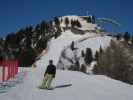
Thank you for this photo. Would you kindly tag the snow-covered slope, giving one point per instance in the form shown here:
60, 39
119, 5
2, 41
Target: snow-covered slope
84, 87
93, 41
57, 45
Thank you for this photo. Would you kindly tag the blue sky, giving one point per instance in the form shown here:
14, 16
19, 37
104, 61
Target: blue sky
15, 14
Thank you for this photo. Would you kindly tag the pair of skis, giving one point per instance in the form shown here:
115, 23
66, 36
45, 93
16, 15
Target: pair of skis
59, 86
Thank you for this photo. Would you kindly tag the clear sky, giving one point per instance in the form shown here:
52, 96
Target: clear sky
15, 14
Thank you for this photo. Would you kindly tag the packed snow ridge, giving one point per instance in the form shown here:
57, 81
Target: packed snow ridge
84, 87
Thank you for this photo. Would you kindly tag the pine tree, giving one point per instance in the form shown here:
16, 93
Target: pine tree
82, 53
100, 49
72, 24
127, 36
37, 28
61, 20
66, 22
118, 36
28, 31
58, 33
10, 40
72, 46
57, 22
28, 42
43, 28
88, 56
96, 55
27, 57
77, 65
42, 44
83, 68
50, 24
93, 19
132, 39
89, 19
78, 23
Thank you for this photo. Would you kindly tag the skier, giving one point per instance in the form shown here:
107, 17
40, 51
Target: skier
49, 75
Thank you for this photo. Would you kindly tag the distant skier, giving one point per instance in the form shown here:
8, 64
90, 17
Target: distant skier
48, 76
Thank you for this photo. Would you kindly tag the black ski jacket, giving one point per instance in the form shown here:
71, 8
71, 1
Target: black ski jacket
51, 69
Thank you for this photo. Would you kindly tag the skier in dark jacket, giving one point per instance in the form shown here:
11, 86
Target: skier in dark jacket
51, 69
49, 75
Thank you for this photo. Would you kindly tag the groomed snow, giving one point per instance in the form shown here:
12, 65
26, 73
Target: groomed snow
84, 87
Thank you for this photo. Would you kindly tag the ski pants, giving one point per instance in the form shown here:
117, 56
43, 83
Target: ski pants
47, 81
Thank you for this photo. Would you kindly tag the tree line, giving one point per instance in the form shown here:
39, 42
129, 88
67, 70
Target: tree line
28, 42
116, 61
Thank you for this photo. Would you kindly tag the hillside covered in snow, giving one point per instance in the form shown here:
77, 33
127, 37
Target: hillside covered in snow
83, 86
